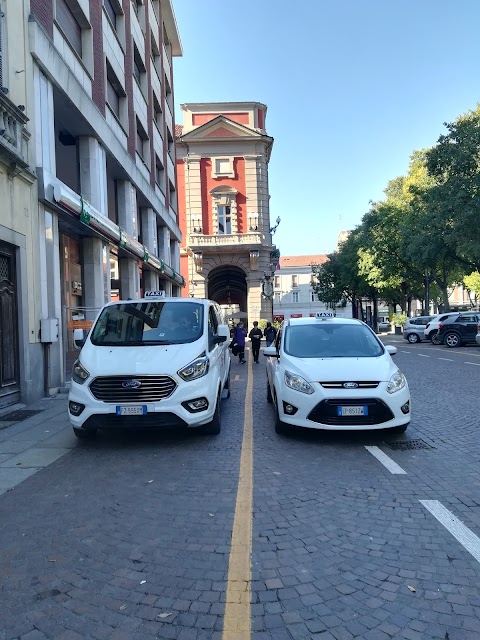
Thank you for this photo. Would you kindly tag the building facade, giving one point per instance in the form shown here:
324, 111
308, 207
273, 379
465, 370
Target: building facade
20, 291
227, 254
293, 295
104, 158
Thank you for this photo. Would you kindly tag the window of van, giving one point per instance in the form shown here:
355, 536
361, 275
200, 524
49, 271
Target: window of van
148, 323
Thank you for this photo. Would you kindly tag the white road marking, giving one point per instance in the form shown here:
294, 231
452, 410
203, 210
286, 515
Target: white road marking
448, 359
475, 364
405, 352
422, 355
387, 462
462, 533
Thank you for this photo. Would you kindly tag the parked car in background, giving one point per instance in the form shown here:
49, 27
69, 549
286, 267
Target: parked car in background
414, 330
384, 325
431, 329
477, 337
459, 329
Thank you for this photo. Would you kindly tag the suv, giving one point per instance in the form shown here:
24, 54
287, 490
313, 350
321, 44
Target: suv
415, 327
459, 329
431, 330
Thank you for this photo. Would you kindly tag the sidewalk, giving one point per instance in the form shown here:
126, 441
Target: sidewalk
33, 438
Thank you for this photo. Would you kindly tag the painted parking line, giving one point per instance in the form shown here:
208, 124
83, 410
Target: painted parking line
405, 352
447, 359
237, 619
461, 532
387, 462
237, 378
475, 364
422, 355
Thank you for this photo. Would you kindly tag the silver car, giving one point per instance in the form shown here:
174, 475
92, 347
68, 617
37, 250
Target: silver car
414, 330
477, 337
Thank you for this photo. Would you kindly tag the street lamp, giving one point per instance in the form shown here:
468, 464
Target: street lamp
274, 228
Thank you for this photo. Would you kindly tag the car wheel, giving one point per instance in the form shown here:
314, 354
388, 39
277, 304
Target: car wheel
435, 338
413, 338
280, 427
401, 429
452, 340
85, 434
269, 393
214, 426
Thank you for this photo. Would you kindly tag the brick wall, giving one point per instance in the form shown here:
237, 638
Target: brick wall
43, 12
98, 82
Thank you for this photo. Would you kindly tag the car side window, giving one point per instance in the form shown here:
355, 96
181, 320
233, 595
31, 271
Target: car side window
467, 318
212, 328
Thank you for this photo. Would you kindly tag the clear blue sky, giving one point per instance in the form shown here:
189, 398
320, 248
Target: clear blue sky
353, 87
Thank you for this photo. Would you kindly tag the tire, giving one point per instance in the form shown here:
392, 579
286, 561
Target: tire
214, 426
269, 393
452, 340
85, 434
227, 387
280, 427
413, 338
401, 429
435, 338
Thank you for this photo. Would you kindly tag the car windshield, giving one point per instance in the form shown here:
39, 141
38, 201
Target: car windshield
329, 340
129, 324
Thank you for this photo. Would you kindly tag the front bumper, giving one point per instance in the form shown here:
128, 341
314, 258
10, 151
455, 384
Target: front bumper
168, 412
318, 411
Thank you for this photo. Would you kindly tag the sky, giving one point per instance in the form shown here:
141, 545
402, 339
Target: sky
352, 87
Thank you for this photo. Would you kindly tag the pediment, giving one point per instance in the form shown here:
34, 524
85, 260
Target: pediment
220, 127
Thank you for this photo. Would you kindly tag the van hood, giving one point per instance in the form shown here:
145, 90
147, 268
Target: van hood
378, 369
149, 360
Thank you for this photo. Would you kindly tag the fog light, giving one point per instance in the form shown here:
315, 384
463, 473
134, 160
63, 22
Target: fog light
194, 406
289, 409
405, 407
76, 408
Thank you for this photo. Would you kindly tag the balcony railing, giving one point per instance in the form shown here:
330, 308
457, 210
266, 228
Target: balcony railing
13, 134
227, 242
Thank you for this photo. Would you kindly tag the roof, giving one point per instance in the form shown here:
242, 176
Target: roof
309, 320
178, 130
302, 261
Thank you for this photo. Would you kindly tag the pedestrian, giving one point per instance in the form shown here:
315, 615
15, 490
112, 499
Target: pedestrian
270, 333
239, 335
255, 336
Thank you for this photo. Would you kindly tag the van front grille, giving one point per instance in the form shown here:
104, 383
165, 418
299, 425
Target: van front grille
133, 388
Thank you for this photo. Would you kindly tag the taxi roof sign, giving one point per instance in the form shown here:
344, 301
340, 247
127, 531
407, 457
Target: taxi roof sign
154, 294
324, 314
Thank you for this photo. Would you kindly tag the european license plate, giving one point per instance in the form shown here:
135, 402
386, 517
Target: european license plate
132, 411
352, 411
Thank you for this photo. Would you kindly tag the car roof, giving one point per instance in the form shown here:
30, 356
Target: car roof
313, 320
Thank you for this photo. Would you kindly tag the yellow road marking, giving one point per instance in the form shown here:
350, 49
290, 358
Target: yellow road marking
237, 377
237, 621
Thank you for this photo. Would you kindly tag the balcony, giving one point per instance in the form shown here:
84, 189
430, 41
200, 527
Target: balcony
222, 243
13, 134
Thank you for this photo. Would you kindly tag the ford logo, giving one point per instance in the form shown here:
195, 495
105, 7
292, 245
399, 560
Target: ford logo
350, 385
131, 384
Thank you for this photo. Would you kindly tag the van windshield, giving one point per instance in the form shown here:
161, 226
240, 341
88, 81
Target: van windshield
133, 323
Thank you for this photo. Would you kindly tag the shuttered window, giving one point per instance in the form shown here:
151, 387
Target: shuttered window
69, 25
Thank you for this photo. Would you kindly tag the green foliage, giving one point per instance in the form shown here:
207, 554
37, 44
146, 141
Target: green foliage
399, 319
262, 323
472, 282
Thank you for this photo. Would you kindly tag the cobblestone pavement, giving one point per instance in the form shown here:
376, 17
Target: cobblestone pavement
129, 537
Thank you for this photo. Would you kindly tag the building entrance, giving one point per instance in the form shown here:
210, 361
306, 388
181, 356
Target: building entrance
227, 285
9, 382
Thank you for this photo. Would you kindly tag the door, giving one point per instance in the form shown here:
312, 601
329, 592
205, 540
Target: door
9, 382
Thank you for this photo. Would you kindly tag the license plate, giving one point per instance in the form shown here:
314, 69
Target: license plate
352, 411
132, 411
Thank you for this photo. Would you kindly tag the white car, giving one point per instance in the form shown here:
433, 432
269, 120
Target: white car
334, 373
431, 329
152, 363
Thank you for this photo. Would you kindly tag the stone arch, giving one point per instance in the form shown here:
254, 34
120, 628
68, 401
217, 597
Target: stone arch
227, 285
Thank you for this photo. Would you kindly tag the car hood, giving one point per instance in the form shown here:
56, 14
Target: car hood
148, 360
342, 369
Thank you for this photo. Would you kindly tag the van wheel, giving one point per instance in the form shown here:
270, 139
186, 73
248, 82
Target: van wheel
269, 393
213, 427
85, 434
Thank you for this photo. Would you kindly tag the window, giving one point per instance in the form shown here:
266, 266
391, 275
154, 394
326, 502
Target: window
212, 328
141, 141
224, 220
277, 298
136, 5
295, 296
294, 281
114, 91
111, 13
171, 145
157, 114
138, 67
172, 194
277, 282
159, 174
69, 25
168, 93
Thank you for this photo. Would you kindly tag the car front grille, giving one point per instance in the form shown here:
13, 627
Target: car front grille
339, 385
151, 388
326, 412
148, 421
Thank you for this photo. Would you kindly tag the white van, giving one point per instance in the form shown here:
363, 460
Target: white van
152, 362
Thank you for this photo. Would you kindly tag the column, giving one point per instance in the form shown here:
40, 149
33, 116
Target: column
149, 239
127, 220
164, 245
93, 173
93, 275
175, 255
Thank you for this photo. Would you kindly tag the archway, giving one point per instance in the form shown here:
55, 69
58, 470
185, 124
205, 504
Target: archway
227, 285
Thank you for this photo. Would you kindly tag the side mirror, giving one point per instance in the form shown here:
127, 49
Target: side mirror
390, 349
270, 352
223, 331
219, 339
78, 338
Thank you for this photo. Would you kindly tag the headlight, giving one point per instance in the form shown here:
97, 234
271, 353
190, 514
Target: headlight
79, 373
196, 369
298, 383
397, 382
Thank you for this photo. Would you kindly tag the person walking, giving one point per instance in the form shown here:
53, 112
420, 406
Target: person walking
255, 336
239, 335
270, 333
